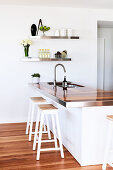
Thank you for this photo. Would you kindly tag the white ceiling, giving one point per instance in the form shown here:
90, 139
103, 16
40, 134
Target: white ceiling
99, 4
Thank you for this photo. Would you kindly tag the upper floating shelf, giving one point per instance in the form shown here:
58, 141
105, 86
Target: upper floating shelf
45, 59
54, 37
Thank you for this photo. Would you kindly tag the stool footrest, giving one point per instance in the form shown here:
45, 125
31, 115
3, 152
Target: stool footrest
43, 141
38, 132
50, 149
111, 164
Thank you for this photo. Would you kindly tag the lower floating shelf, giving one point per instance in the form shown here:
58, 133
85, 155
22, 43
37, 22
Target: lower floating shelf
45, 59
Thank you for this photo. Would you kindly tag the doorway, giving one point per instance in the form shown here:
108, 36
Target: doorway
105, 55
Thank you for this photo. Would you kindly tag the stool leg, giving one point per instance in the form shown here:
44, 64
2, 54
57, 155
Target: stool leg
48, 129
59, 136
44, 127
108, 142
36, 129
31, 125
28, 120
54, 130
40, 136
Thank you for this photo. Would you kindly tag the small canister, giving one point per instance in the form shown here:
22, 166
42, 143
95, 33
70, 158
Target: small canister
69, 32
57, 32
63, 32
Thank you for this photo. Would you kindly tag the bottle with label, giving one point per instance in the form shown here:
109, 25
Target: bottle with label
64, 83
39, 53
48, 53
43, 53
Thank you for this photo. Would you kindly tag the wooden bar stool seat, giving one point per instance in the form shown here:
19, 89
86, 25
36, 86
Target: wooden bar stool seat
33, 102
45, 110
110, 117
108, 142
38, 99
47, 107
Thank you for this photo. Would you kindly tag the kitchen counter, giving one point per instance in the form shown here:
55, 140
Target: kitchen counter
82, 113
80, 96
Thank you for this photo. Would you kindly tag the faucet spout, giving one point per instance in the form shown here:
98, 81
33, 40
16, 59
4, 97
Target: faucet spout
55, 72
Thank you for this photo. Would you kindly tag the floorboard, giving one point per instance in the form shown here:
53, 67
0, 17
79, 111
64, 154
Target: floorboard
16, 153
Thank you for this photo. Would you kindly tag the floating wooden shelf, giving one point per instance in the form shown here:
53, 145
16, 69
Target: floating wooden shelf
55, 59
44, 59
54, 37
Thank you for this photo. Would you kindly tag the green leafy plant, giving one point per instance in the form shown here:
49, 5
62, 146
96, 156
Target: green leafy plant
44, 28
36, 75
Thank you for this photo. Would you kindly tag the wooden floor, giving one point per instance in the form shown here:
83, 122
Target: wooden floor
16, 153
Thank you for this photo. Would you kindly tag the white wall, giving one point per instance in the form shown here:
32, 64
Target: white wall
15, 24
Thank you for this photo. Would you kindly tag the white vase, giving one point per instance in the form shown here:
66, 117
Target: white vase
57, 32
63, 32
36, 80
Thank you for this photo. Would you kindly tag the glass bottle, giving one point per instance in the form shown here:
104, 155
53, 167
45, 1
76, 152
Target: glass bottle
39, 53
48, 53
43, 55
64, 83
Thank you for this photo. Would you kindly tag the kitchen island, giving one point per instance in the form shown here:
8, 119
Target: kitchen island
82, 114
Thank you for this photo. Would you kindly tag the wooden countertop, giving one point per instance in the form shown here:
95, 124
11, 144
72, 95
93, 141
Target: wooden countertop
76, 97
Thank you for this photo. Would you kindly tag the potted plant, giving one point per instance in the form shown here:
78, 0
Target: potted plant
44, 29
26, 43
36, 78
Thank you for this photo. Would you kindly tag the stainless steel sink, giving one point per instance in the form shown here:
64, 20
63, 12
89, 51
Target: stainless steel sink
69, 84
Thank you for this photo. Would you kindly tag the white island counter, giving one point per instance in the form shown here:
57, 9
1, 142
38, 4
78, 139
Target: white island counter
82, 115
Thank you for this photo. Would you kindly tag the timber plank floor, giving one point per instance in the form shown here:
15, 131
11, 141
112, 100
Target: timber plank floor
16, 153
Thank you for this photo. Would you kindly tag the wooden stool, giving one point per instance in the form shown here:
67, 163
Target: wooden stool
108, 142
45, 110
35, 101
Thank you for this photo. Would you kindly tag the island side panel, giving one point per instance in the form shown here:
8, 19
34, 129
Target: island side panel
70, 123
94, 127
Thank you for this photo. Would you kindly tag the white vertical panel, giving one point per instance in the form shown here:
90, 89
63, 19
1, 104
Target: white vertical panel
100, 63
